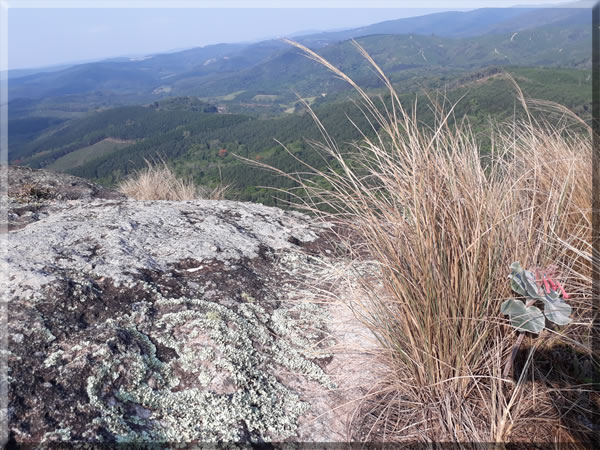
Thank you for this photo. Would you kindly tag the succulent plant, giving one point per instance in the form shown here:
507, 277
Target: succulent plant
527, 317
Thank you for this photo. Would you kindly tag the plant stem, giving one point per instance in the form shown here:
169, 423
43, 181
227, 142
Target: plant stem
513, 353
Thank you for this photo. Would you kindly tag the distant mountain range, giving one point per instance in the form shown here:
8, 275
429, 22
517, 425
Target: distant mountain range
465, 24
265, 78
463, 39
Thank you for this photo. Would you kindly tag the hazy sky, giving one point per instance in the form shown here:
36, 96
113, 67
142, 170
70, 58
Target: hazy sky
63, 34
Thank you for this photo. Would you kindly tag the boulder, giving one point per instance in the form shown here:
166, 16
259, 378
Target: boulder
164, 322
31, 194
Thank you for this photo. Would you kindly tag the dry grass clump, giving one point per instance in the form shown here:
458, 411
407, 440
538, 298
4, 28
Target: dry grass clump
444, 225
216, 193
157, 181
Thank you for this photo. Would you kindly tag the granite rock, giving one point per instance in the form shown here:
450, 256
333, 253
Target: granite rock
159, 322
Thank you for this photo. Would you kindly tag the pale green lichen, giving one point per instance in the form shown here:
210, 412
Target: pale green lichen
230, 355
53, 358
59, 435
245, 296
213, 315
44, 333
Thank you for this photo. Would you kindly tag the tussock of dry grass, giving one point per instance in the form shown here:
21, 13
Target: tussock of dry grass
444, 224
157, 181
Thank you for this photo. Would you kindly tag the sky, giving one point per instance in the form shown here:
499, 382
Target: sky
41, 36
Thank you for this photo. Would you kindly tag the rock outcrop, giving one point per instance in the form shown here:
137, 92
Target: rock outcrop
34, 194
164, 322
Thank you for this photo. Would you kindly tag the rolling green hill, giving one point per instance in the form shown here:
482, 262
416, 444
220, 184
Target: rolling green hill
198, 107
84, 155
477, 22
122, 123
192, 140
405, 47
405, 56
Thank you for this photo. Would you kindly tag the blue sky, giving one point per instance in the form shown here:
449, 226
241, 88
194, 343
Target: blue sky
45, 36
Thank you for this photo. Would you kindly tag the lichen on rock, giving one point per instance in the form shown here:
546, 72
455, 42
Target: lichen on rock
160, 322
181, 411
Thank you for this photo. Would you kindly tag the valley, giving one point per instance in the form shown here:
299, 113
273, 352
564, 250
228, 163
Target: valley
199, 108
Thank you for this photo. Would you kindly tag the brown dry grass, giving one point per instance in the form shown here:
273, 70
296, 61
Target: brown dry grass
444, 225
157, 181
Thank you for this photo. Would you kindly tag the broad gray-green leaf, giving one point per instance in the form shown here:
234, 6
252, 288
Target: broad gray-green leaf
516, 285
516, 267
523, 281
508, 305
531, 285
556, 309
523, 318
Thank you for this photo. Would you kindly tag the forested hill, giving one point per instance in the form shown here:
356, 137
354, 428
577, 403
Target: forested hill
261, 76
200, 143
199, 107
405, 56
477, 22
